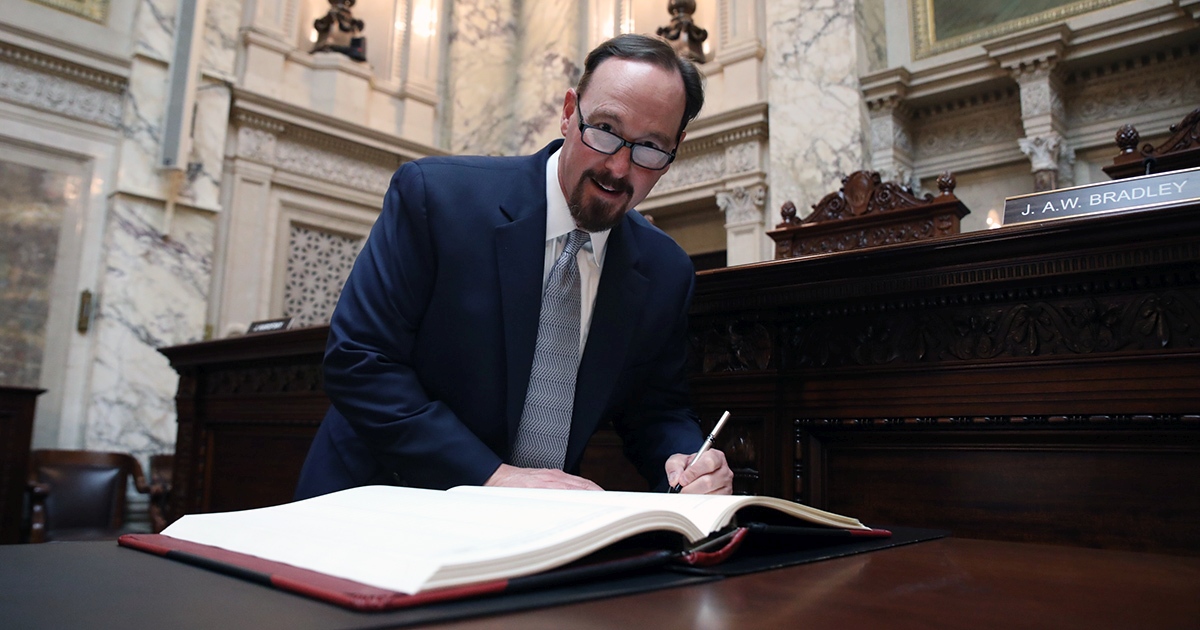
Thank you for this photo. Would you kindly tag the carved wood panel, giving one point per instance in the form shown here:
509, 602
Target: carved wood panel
1100, 481
247, 410
1042, 373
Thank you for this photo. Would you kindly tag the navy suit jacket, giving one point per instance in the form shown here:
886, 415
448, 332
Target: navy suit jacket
432, 341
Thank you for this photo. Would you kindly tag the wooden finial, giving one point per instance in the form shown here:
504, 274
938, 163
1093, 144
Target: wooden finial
946, 183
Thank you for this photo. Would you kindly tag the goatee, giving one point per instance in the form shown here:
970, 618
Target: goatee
597, 214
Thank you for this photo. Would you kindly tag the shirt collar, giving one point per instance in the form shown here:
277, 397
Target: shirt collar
558, 215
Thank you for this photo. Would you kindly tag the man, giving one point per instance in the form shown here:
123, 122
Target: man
502, 308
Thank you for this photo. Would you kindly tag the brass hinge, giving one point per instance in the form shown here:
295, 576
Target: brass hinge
85, 312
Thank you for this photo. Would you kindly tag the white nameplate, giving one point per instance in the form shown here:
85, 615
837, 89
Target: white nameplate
1133, 193
269, 325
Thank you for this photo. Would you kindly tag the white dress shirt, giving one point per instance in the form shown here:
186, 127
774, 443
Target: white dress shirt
591, 256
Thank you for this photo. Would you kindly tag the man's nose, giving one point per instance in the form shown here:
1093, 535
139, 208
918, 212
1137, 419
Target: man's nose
620, 162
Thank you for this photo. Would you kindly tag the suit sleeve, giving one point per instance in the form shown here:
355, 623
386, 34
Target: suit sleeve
369, 374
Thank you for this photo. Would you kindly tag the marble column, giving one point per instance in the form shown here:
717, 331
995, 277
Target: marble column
1044, 119
891, 141
745, 225
152, 294
158, 239
548, 65
240, 291
483, 43
270, 24
510, 64
416, 68
1032, 58
818, 119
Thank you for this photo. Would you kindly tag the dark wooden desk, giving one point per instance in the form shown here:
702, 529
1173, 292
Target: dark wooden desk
1035, 383
950, 583
248, 408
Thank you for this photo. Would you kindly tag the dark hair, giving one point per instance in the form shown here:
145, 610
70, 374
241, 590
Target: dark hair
654, 50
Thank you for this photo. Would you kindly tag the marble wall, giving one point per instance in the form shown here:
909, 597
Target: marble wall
873, 42
818, 119
159, 235
481, 79
549, 64
509, 65
153, 294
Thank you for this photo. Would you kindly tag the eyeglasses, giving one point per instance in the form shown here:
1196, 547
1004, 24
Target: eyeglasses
608, 143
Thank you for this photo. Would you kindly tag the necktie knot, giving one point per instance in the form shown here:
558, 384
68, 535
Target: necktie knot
575, 240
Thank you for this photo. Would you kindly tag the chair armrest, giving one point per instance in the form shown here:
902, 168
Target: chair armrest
160, 495
139, 480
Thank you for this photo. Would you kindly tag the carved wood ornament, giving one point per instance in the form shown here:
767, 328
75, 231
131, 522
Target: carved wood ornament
867, 212
1180, 151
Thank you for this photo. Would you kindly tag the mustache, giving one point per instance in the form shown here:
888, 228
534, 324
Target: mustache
612, 183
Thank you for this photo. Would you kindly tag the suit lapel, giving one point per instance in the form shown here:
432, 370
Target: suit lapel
620, 300
520, 255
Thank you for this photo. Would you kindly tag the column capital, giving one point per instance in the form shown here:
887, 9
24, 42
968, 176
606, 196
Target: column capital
742, 204
746, 226
1042, 151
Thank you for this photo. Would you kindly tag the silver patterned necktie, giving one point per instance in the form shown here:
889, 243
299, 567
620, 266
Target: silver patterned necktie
550, 399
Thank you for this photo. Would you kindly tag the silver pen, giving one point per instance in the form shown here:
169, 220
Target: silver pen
708, 441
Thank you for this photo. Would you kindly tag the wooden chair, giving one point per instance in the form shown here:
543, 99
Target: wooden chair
80, 495
162, 468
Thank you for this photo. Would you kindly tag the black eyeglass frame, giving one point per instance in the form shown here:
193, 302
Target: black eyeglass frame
624, 143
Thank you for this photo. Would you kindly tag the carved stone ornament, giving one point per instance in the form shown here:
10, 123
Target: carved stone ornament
339, 31
1042, 151
742, 205
35, 80
256, 144
686, 38
1181, 150
867, 212
1040, 93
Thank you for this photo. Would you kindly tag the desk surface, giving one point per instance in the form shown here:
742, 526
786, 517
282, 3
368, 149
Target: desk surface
952, 583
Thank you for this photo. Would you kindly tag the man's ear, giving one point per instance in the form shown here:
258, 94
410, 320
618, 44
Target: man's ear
682, 135
570, 102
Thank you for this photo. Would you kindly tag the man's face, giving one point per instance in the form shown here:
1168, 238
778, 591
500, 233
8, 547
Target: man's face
637, 101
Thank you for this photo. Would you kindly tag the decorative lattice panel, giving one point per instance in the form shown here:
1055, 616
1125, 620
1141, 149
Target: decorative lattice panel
318, 263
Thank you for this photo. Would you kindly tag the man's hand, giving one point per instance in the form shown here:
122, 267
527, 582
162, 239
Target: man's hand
514, 477
708, 475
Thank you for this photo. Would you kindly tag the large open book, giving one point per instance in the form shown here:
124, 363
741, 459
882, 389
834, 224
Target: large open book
411, 540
